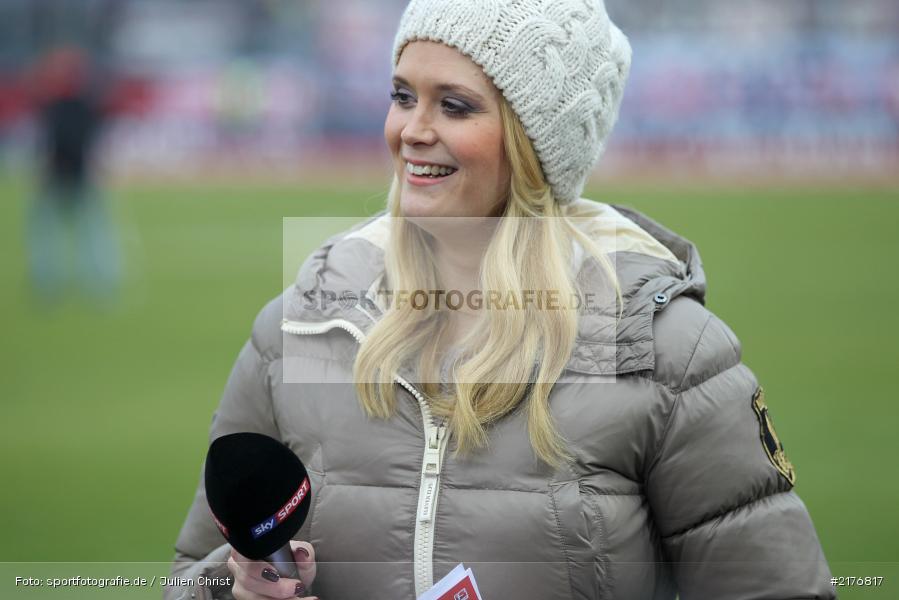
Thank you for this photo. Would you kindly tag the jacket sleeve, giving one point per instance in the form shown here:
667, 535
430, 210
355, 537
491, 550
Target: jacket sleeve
730, 523
200, 551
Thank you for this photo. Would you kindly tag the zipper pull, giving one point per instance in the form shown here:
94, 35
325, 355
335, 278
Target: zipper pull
431, 466
430, 473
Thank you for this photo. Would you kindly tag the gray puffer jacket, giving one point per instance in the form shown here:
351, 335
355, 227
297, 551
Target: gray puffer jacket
680, 484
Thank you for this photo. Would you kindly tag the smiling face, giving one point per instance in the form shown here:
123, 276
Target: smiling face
445, 113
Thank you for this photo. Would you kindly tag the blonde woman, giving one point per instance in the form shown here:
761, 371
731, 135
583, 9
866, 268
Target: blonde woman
529, 382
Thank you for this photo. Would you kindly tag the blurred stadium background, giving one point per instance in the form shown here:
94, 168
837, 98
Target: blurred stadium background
765, 131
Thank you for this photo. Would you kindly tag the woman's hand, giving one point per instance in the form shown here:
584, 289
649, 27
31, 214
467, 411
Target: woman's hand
258, 580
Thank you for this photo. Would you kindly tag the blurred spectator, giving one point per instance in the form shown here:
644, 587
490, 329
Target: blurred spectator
68, 203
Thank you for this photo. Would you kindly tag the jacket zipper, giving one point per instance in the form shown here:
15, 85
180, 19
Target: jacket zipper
435, 447
428, 491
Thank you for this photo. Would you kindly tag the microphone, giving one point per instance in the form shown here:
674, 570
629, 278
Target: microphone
259, 495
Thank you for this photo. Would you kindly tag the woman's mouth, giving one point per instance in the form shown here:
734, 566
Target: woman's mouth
427, 174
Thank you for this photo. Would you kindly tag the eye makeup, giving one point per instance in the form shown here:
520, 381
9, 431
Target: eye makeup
453, 108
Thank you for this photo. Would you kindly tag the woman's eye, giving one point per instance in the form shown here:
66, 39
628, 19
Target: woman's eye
399, 97
452, 109
457, 110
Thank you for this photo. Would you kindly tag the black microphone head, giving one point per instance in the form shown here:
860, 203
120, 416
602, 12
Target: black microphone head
258, 491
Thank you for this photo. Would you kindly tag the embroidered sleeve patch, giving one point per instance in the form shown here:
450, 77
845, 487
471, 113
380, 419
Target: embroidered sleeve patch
773, 448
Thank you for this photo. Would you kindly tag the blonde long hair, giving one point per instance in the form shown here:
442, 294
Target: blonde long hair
494, 373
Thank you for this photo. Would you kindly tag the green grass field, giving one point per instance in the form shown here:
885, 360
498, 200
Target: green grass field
105, 415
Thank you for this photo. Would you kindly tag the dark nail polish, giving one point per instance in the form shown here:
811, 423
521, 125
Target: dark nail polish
304, 551
300, 590
270, 575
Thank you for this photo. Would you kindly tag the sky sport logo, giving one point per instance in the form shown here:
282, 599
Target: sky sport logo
285, 511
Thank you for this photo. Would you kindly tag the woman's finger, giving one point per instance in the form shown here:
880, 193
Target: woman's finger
256, 579
241, 593
304, 556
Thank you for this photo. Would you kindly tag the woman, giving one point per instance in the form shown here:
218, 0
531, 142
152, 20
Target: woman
667, 479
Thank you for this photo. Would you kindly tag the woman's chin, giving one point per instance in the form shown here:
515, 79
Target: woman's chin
418, 205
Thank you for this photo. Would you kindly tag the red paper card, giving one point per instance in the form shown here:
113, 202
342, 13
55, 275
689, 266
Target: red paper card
464, 590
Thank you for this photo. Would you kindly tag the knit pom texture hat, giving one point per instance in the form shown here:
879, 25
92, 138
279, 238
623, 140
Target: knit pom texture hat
561, 65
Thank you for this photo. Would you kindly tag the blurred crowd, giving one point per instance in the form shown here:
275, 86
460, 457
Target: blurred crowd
276, 83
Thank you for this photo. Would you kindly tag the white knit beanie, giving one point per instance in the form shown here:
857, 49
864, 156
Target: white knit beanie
561, 64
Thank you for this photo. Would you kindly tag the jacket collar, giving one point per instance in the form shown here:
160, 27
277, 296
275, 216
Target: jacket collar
654, 265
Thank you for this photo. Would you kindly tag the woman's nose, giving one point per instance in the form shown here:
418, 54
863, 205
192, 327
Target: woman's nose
418, 129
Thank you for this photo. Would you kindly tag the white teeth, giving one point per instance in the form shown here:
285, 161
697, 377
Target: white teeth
429, 169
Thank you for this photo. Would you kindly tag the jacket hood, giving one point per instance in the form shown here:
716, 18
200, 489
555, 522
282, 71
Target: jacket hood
654, 265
